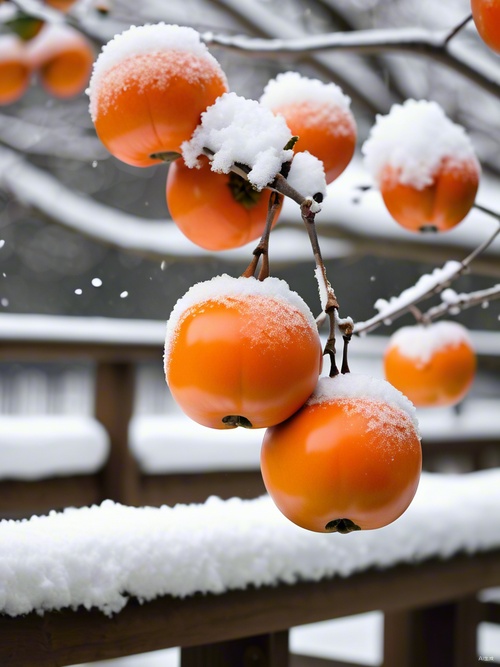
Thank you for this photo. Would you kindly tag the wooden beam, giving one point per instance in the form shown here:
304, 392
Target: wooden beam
68, 637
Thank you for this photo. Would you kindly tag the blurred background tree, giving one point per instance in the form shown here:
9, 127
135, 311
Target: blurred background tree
83, 234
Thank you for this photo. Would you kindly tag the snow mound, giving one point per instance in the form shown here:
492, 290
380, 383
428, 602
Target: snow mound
99, 556
421, 342
238, 130
307, 175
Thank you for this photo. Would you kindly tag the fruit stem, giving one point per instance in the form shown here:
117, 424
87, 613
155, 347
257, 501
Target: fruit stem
262, 249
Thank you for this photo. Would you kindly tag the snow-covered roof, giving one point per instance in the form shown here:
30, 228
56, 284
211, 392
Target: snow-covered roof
99, 556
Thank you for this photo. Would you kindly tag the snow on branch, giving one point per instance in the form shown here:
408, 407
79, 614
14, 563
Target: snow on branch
416, 41
454, 303
225, 545
156, 239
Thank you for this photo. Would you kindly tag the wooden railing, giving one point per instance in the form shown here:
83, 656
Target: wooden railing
431, 609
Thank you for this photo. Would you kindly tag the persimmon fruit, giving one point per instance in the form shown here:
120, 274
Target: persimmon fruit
434, 365
215, 211
439, 206
61, 5
349, 459
486, 16
319, 115
241, 352
15, 70
149, 87
63, 59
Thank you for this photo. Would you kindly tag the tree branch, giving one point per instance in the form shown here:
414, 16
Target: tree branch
414, 41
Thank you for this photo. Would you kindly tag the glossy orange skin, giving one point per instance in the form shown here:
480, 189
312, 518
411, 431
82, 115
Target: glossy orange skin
327, 462
444, 380
486, 15
61, 5
202, 205
228, 358
15, 72
439, 206
147, 105
328, 134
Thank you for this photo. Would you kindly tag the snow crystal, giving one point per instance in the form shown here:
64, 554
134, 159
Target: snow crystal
307, 175
292, 88
138, 41
421, 341
414, 138
224, 287
99, 556
365, 388
238, 130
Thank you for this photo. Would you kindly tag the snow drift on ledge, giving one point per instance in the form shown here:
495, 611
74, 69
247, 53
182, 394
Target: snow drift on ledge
99, 556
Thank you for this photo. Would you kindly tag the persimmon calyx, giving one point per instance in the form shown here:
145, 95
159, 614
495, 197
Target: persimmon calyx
342, 526
166, 156
237, 420
243, 191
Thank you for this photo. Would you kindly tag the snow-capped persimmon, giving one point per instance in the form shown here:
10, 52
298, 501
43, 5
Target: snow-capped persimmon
486, 15
63, 59
434, 365
319, 114
215, 211
15, 70
349, 459
424, 165
241, 352
149, 87
61, 5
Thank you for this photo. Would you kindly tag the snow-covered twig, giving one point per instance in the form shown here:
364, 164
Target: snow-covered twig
425, 287
433, 44
454, 303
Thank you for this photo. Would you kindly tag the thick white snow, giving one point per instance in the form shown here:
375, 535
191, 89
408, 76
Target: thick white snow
239, 130
52, 40
293, 88
421, 342
413, 138
307, 175
99, 556
36, 447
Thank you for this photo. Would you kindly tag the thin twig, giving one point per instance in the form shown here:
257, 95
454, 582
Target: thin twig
458, 28
462, 301
262, 249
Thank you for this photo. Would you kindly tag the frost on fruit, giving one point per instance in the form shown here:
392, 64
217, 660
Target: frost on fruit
328, 106
133, 44
414, 138
420, 342
224, 287
238, 130
372, 393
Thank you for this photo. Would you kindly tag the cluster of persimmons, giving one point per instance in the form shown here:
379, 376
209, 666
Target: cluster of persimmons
58, 56
340, 453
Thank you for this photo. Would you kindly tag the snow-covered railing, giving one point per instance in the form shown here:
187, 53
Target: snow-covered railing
228, 578
119, 450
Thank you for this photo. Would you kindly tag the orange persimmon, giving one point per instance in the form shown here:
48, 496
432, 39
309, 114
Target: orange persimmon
215, 211
319, 115
439, 206
486, 16
15, 70
349, 459
241, 352
63, 59
61, 5
424, 164
434, 365
148, 90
